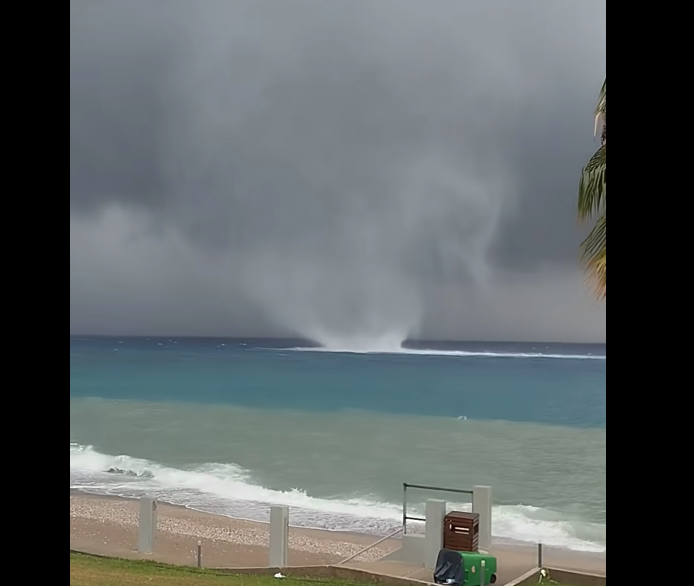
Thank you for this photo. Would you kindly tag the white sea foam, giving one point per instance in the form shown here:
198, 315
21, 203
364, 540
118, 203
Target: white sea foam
230, 490
450, 353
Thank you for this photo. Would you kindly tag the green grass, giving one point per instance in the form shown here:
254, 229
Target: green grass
88, 570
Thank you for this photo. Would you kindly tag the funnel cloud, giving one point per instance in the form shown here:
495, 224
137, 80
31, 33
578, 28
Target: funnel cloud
355, 173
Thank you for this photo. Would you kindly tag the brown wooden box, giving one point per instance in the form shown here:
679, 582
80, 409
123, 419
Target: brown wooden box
461, 531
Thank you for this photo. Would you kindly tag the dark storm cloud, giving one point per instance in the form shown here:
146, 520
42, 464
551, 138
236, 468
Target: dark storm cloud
341, 162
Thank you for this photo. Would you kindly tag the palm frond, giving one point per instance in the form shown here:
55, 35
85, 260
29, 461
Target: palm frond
594, 255
592, 202
602, 100
601, 114
592, 190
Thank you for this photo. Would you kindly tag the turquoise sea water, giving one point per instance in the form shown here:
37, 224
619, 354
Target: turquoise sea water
230, 426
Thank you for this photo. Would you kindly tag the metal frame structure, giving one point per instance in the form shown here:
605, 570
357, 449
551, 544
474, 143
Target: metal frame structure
406, 487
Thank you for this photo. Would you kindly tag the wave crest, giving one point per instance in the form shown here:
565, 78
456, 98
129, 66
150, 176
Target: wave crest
230, 490
449, 353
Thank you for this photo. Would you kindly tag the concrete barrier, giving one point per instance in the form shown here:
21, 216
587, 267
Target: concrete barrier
327, 572
433, 544
564, 577
531, 577
571, 578
279, 537
147, 525
482, 505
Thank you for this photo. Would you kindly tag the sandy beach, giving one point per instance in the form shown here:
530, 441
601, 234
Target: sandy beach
108, 526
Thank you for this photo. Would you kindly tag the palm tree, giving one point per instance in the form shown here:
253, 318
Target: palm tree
592, 203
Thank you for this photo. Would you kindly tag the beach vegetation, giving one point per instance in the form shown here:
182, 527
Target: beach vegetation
87, 570
592, 203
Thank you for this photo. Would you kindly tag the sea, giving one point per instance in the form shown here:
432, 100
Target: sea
231, 426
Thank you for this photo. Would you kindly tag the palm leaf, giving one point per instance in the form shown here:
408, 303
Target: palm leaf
594, 253
592, 190
602, 100
601, 114
592, 202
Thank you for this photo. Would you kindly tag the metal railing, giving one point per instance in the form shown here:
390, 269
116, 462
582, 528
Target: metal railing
363, 551
406, 487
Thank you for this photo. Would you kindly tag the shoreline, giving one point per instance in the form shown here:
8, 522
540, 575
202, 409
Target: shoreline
498, 542
107, 525
319, 530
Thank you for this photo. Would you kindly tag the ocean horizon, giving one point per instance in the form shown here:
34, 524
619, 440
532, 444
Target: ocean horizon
230, 426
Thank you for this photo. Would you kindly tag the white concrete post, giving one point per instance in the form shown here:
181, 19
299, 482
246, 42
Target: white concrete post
148, 525
482, 505
279, 537
435, 514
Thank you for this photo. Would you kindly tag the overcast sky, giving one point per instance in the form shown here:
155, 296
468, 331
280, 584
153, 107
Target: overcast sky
344, 170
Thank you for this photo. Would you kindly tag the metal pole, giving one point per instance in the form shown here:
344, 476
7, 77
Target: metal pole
540, 556
439, 489
483, 577
199, 554
368, 547
404, 509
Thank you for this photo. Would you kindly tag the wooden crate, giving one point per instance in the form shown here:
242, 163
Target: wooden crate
461, 531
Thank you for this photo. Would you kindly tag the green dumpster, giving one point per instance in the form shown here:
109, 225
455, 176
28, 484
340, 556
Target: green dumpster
473, 568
